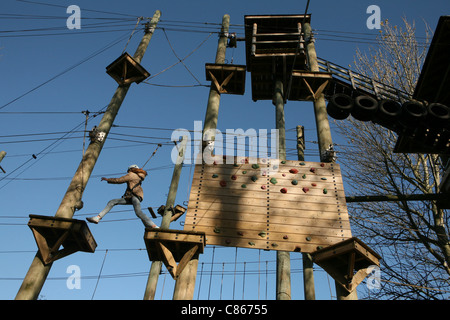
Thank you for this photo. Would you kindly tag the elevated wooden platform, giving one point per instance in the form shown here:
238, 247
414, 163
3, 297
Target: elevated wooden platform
51, 233
172, 246
227, 78
126, 70
274, 48
347, 262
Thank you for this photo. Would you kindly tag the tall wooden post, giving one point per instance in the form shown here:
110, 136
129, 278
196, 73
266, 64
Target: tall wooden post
308, 274
155, 269
283, 278
38, 272
323, 130
185, 284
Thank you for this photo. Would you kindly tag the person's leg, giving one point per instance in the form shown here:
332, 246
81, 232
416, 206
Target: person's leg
145, 219
109, 206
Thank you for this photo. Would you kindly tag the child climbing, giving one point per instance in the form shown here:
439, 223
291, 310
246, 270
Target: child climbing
134, 195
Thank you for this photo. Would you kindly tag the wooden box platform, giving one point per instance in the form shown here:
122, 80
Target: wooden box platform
126, 70
51, 233
227, 78
172, 246
347, 261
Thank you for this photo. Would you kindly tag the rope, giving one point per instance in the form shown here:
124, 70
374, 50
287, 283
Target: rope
132, 33
159, 145
212, 265
99, 275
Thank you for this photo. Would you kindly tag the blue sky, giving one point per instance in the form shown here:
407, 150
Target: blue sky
50, 76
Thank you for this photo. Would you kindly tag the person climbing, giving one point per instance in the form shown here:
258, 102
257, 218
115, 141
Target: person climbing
134, 195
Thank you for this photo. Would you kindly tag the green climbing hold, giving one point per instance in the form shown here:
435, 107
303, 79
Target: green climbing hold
255, 166
244, 186
283, 162
254, 178
262, 234
304, 176
216, 230
215, 175
325, 191
251, 243
308, 238
302, 163
323, 178
294, 182
273, 181
274, 245
244, 172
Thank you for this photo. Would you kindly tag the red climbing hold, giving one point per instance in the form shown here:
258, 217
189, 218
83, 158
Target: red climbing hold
313, 170
293, 171
223, 183
233, 177
305, 189
283, 190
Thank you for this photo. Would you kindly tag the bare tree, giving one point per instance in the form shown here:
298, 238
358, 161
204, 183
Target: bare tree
411, 236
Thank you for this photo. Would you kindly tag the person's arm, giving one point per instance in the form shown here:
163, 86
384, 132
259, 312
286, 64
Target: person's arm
122, 179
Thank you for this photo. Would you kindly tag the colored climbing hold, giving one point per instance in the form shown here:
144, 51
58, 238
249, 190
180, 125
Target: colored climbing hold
263, 187
244, 186
285, 237
227, 241
254, 178
255, 166
313, 184
216, 229
294, 182
233, 177
283, 162
308, 238
215, 175
283, 190
262, 234
273, 181
305, 189
325, 191
313, 170
223, 183
251, 243
302, 163
323, 178
293, 170
274, 245
304, 176
283, 174
244, 172
322, 165
240, 233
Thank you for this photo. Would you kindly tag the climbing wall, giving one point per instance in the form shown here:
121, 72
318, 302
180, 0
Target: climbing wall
289, 205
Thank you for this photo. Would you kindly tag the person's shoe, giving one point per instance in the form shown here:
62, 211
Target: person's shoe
95, 219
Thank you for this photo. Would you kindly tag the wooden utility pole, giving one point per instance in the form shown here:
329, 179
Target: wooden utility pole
37, 273
323, 131
308, 273
283, 278
155, 269
185, 284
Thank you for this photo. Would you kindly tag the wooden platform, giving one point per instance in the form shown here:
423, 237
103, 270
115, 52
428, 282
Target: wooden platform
51, 233
172, 246
347, 262
125, 70
298, 207
227, 78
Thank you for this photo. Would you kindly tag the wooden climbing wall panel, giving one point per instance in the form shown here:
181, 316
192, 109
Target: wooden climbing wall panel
294, 206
